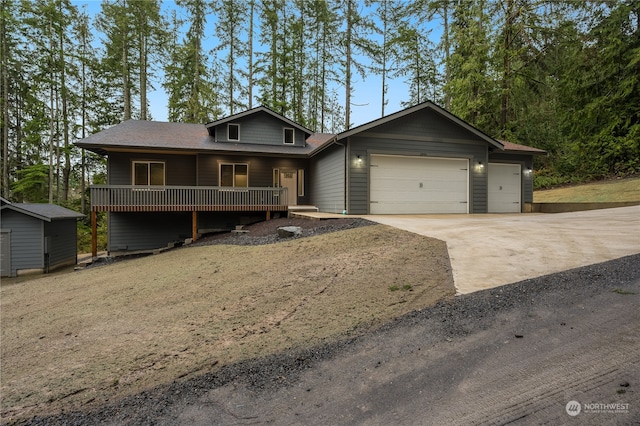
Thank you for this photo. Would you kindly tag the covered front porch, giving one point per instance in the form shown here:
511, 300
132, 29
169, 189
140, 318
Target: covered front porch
194, 199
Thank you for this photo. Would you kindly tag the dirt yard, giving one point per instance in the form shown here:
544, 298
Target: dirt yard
78, 340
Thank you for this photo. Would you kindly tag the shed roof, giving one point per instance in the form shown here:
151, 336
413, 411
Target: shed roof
517, 148
46, 212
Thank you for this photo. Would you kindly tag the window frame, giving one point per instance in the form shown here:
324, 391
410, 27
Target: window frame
284, 136
233, 165
229, 132
148, 163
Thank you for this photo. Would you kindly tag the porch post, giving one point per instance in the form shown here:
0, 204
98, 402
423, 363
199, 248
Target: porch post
268, 215
194, 225
94, 234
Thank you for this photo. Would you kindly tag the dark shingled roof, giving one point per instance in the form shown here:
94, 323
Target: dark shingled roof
46, 212
514, 147
156, 135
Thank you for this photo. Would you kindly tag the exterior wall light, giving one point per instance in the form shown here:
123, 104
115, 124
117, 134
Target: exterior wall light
358, 159
480, 166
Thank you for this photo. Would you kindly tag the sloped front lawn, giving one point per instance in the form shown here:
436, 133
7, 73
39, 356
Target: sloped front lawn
78, 340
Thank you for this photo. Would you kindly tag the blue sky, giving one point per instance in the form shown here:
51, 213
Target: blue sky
366, 97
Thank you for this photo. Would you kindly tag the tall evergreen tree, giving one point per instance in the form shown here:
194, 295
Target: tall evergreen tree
356, 42
232, 16
470, 86
192, 97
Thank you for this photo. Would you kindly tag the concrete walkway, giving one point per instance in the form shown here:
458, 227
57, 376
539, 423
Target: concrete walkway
490, 250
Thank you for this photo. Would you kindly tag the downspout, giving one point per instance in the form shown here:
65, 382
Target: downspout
347, 174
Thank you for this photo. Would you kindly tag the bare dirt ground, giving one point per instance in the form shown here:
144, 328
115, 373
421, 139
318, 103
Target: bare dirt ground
80, 340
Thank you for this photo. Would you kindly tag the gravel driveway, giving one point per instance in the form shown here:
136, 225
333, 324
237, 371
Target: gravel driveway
517, 354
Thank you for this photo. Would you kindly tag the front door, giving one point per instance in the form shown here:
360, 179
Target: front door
289, 180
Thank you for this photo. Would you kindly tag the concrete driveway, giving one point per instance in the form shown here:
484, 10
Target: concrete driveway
490, 250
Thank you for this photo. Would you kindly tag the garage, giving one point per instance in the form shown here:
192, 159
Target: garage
504, 188
418, 185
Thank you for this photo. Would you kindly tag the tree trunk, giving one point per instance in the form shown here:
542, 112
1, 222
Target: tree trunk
66, 171
347, 82
447, 53
51, 112
250, 71
143, 75
506, 67
5, 106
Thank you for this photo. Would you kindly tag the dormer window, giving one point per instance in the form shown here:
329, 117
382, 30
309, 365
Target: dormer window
289, 136
233, 132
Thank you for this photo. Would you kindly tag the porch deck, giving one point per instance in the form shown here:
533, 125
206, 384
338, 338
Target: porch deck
194, 199
129, 198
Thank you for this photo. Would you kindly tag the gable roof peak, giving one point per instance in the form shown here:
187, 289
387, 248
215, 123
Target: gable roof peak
255, 110
424, 105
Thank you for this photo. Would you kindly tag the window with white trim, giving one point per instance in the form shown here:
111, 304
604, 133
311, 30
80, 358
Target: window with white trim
234, 174
233, 132
146, 173
289, 136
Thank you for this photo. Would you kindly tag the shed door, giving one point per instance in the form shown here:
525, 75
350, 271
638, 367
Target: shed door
417, 185
5, 254
505, 188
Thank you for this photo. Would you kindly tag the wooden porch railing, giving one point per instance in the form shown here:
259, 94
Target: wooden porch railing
128, 198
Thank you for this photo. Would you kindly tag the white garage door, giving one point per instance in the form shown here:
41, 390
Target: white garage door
504, 190
416, 185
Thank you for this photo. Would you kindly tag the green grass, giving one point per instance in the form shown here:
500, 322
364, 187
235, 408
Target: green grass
595, 192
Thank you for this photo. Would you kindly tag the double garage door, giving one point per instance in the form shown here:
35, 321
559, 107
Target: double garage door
416, 185
425, 185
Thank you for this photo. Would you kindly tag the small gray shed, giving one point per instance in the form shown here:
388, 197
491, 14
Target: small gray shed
36, 237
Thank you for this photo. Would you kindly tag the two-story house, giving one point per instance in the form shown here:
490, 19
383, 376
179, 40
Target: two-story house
170, 181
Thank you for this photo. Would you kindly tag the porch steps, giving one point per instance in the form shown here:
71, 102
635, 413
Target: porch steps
297, 209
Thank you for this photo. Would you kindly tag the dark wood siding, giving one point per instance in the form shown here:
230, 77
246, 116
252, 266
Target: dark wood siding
144, 231
27, 240
327, 179
62, 241
527, 164
260, 170
179, 169
260, 128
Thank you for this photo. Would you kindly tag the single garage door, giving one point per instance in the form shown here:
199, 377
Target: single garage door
417, 185
505, 188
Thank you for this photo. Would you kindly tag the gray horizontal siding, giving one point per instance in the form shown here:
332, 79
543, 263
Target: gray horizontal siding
261, 129
62, 237
27, 242
425, 123
365, 144
327, 178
